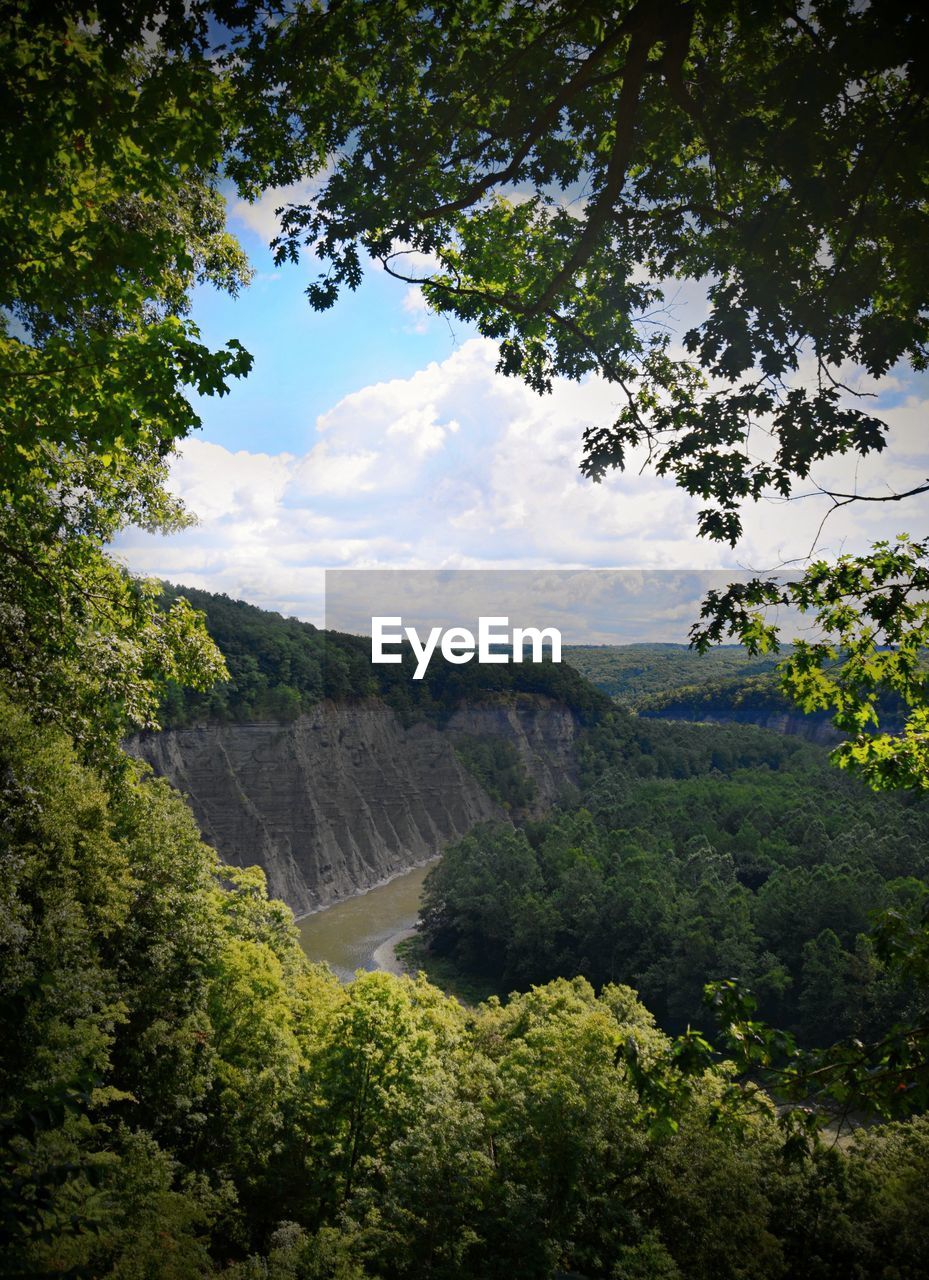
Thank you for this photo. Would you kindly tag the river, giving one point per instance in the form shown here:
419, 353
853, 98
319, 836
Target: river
355, 934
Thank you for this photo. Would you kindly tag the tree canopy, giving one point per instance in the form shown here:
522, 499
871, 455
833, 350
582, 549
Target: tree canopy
110, 149
553, 174
564, 168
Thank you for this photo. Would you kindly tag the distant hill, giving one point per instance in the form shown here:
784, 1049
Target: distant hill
280, 667
633, 673
725, 685
753, 700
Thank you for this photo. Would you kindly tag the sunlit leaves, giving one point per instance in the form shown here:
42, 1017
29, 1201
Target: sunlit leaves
111, 150
870, 620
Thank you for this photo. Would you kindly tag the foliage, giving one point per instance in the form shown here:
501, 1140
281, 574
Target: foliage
756, 700
182, 1093
871, 619
887, 1076
185, 1095
684, 866
722, 684
772, 157
111, 213
113, 940
496, 764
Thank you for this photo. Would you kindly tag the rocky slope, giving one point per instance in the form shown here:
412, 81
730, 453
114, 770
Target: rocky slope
344, 797
816, 727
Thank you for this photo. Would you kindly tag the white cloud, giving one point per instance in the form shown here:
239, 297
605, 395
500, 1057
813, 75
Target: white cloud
458, 467
328, 470
261, 215
414, 304
216, 483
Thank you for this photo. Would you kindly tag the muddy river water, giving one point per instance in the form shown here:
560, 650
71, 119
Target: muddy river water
356, 934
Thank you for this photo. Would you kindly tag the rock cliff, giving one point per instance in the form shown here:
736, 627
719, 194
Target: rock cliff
544, 734
345, 796
815, 727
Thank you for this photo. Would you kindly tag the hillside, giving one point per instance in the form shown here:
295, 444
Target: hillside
333, 774
472, 259
345, 795
661, 855
280, 667
629, 674
754, 699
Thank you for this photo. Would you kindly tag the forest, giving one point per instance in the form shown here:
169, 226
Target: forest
277, 667
186, 1096
182, 1094
696, 853
634, 673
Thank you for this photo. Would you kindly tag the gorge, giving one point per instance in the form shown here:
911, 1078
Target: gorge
345, 796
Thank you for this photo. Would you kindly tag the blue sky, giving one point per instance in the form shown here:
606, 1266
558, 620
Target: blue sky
378, 436
306, 361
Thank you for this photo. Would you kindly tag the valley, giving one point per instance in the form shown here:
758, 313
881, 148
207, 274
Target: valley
644, 831
440, 940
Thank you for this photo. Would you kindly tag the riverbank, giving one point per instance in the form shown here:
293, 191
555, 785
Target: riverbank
413, 957
371, 888
376, 929
385, 957
361, 932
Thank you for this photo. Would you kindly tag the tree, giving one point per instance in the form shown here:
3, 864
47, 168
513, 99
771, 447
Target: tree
111, 152
871, 617
563, 169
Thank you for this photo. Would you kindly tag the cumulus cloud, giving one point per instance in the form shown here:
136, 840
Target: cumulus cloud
459, 467
262, 216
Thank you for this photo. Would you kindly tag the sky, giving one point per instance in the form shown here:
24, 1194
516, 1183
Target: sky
585, 606
378, 435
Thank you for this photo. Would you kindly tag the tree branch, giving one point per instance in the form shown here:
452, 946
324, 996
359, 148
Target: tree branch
543, 122
643, 40
873, 497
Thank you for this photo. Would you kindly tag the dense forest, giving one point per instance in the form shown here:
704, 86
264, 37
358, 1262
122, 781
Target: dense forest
296, 1128
278, 667
696, 853
756, 700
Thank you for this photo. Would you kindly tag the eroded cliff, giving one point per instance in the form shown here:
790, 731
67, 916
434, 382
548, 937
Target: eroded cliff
344, 797
815, 727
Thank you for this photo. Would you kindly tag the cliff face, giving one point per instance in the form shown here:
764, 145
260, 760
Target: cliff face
812, 728
815, 727
345, 796
544, 734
